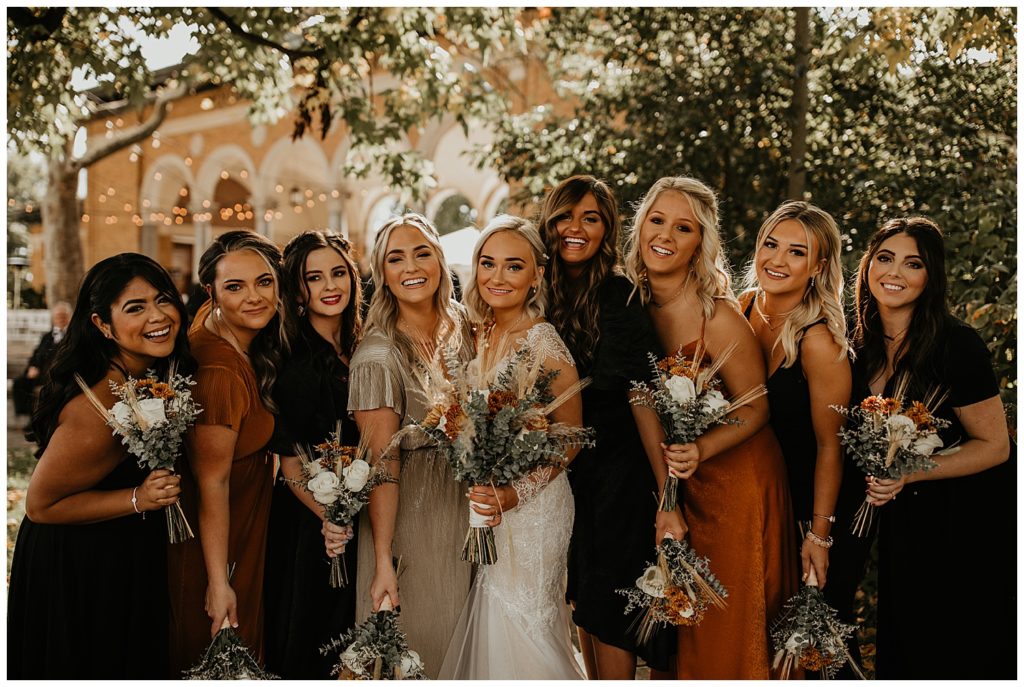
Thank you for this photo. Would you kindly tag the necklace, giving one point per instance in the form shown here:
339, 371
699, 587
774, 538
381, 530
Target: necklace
897, 336
425, 343
767, 319
488, 332
219, 323
671, 298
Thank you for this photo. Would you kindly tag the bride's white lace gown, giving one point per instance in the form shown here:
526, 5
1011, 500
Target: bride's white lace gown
515, 624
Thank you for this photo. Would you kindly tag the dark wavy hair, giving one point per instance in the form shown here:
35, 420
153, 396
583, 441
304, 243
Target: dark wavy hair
86, 352
931, 312
573, 304
295, 292
269, 346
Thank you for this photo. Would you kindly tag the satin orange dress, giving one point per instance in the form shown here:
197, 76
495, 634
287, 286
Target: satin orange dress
738, 509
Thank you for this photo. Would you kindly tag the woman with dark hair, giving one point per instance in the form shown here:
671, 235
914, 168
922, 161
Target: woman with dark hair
960, 516
320, 295
88, 581
217, 578
614, 483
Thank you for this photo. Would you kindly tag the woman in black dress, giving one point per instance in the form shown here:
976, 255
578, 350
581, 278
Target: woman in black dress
321, 298
88, 590
947, 545
615, 484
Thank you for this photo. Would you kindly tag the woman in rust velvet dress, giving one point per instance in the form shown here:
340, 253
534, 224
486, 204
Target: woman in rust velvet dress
733, 484
227, 487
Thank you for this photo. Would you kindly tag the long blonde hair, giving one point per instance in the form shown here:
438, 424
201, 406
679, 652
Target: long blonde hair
708, 263
824, 295
383, 311
535, 304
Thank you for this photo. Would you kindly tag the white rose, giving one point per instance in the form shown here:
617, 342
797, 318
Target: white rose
652, 582
410, 665
314, 468
682, 389
714, 401
153, 410
927, 444
356, 475
350, 659
122, 413
901, 430
323, 487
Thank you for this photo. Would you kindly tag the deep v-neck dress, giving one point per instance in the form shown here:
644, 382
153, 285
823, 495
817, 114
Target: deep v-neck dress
737, 507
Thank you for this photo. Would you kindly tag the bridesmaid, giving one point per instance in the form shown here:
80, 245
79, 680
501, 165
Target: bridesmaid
237, 341
320, 297
613, 484
735, 496
953, 532
87, 596
421, 520
795, 307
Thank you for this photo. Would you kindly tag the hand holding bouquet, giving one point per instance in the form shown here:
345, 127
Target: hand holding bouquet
676, 590
376, 650
889, 439
495, 431
151, 418
808, 634
340, 478
686, 394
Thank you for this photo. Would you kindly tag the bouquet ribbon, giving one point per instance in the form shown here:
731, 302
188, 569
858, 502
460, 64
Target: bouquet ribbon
478, 519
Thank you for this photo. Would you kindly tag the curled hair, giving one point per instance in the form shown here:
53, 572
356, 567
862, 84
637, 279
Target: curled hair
823, 297
708, 263
931, 312
86, 352
573, 303
383, 311
478, 309
268, 347
295, 291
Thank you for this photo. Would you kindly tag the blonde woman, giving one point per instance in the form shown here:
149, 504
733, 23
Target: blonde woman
420, 520
515, 625
733, 489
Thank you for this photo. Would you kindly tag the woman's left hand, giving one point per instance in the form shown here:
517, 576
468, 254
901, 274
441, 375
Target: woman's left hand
882, 491
682, 459
500, 499
816, 557
336, 538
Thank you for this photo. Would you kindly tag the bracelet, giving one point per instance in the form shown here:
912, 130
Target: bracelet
135, 502
825, 543
830, 518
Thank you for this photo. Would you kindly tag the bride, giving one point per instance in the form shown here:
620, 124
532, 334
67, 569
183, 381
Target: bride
515, 624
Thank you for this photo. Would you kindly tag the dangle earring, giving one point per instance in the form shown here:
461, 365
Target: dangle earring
301, 310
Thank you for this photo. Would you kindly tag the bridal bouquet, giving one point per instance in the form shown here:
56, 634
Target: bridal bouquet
808, 634
888, 439
494, 431
675, 590
227, 658
376, 649
340, 479
151, 418
686, 394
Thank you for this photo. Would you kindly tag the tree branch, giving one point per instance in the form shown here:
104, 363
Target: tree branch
236, 28
133, 135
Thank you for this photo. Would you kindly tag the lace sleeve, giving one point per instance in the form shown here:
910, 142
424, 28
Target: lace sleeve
544, 340
529, 485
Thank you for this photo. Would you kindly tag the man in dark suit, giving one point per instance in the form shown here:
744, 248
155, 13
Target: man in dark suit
23, 392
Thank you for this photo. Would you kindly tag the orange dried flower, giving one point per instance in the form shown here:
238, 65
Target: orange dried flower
452, 416
891, 406
812, 659
496, 400
872, 404
677, 603
433, 416
536, 423
918, 412
162, 390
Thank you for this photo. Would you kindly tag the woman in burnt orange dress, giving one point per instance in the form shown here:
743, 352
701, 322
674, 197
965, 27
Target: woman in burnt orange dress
733, 484
236, 341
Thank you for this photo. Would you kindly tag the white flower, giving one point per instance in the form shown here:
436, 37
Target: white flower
902, 430
153, 410
927, 444
323, 487
356, 475
122, 413
410, 665
682, 389
652, 582
314, 468
350, 659
796, 642
714, 401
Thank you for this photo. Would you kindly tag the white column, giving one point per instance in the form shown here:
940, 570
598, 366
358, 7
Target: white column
148, 240
335, 217
203, 237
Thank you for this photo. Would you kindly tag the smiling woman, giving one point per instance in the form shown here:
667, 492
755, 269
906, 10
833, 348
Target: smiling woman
230, 473
86, 565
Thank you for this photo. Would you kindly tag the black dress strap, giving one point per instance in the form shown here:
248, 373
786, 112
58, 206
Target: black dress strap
823, 320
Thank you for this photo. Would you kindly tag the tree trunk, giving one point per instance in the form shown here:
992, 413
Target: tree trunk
61, 223
798, 140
